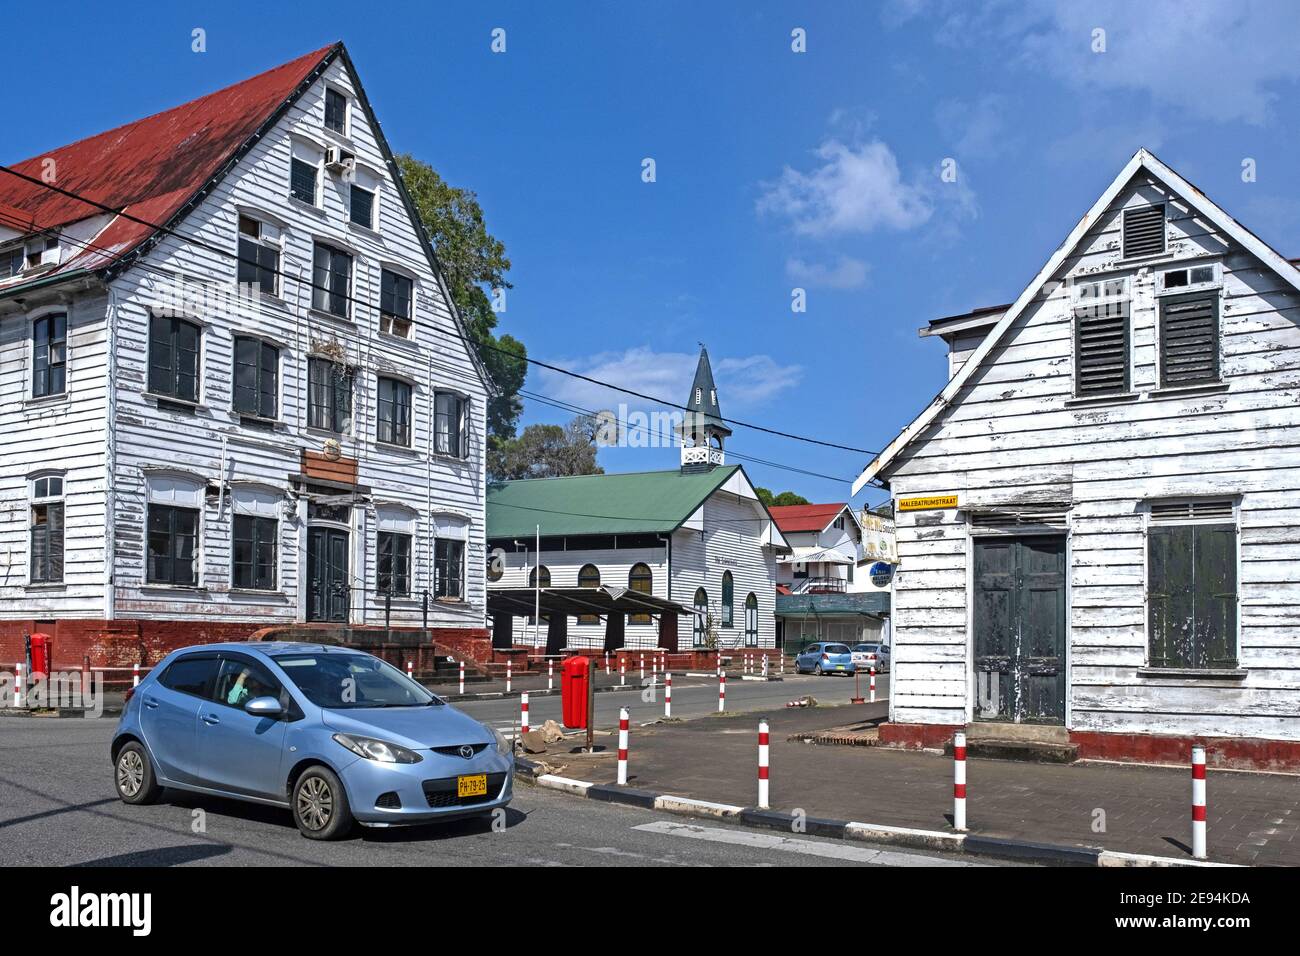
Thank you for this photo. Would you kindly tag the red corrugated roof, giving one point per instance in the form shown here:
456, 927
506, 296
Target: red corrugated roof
805, 517
152, 167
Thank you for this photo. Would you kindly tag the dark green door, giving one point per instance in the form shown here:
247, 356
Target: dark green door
327, 575
1020, 629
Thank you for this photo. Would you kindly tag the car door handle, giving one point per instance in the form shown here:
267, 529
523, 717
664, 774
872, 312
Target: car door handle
151, 703
211, 719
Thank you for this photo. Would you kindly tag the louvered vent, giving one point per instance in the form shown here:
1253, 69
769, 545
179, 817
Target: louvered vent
1189, 341
1101, 339
1144, 231
1009, 520
1167, 511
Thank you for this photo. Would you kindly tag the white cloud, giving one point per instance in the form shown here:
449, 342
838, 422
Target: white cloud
845, 273
744, 382
853, 189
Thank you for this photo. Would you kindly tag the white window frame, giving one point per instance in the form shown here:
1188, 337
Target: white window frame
257, 500
177, 489
33, 499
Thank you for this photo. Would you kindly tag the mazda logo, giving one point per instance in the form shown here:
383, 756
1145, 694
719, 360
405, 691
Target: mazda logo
467, 751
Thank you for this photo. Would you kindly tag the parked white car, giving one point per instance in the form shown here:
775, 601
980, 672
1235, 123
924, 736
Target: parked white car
867, 656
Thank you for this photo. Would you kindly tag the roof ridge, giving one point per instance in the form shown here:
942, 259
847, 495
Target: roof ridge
615, 474
44, 154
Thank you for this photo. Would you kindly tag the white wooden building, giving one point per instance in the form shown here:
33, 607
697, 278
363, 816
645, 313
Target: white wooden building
697, 535
1097, 518
246, 400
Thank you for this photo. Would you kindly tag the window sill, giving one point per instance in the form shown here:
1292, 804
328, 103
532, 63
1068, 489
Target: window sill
1175, 391
170, 403
44, 401
450, 459
1111, 398
258, 592
408, 340
186, 588
261, 424
405, 450
306, 206
333, 316
365, 230
1207, 673
46, 586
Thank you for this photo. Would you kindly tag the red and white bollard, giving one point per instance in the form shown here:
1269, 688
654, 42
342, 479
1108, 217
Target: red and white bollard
959, 782
762, 764
642, 677
507, 677
1198, 803
523, 712
872, 687
764, 667
622, 672
135, 675
607, 663
410, 670
783, 662
18, 685
722, 691
622, 747
462, 677
550, 675
668, 694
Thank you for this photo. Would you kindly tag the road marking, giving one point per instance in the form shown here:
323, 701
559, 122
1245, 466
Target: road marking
768, 841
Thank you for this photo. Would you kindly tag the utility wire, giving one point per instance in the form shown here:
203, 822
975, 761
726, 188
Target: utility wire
348, 297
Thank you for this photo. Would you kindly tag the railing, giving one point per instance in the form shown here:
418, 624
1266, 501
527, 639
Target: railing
820, 586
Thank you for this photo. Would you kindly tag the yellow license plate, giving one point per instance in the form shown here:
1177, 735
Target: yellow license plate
474, 785
839, 667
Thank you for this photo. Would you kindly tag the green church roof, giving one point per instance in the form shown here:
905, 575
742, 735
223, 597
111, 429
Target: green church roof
631, 503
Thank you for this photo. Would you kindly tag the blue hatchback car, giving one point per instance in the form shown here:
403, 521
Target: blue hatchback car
335, 735
824, 658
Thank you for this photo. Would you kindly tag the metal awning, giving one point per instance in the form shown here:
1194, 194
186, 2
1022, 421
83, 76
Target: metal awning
815, 556
605, 599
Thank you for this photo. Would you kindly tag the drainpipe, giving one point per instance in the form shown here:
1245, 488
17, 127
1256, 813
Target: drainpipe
110, 452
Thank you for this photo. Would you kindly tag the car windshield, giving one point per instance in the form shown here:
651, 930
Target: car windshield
836, 649
339, 681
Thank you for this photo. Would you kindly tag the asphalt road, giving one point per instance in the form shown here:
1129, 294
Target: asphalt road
57, 807
692, 697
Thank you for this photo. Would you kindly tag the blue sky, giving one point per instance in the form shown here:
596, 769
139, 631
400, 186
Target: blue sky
774, 169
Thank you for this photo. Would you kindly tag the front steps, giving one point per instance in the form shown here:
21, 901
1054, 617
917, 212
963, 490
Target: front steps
1037, 743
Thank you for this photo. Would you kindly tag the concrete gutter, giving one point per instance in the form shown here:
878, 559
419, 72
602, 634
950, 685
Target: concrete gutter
966, 843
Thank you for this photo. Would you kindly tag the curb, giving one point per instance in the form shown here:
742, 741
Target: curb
996, 847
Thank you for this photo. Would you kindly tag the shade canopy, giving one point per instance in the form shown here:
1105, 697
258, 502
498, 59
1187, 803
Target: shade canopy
605, 599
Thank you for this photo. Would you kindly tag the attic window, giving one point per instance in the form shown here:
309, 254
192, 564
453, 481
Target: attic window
336, 111
1144, 231
12, 261
1193, 276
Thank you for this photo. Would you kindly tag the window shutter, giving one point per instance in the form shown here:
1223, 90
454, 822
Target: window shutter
1169, 595
1215, 578
1144, 231
1101, 347
1189, 340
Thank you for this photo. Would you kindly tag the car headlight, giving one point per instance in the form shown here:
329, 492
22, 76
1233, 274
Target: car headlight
504, 747
373, 749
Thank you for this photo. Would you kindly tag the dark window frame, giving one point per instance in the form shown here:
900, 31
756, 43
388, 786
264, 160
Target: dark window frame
1096, 329
1134, 213
393, 566
327, 277
394, 411
259, 259
261, 536
336, 391
728, 599
371, 196
179, 379
449, 569
173, 529
298, 170
589, 577
451, 424
46, 560
262, 398
641, 578
396, 304
1204, 647
334, 120
50, 355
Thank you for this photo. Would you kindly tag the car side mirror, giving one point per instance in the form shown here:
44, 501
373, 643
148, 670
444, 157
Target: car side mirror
264, 707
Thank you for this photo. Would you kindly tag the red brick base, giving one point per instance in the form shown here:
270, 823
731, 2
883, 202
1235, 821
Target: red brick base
1225, 753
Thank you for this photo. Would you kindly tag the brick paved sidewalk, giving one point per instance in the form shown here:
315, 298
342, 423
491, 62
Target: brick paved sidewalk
1252, 818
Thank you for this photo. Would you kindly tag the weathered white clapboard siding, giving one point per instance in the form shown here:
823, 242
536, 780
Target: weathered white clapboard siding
729, 539
614, 566
63, 434
71, 434
1013, 434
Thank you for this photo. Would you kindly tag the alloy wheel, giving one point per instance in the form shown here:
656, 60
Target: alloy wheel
315, 803
130, 773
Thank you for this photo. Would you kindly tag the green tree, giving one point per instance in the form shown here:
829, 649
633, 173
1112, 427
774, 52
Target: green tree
475, 263
546, 451
777, 501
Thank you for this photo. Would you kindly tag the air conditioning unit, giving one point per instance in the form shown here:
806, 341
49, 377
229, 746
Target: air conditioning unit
339, 160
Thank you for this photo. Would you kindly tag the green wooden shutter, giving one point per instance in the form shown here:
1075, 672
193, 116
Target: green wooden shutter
1215, 579
1189, 340
1170, 596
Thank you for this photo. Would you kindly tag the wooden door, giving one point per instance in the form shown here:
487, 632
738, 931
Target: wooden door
328, 584
1019, 623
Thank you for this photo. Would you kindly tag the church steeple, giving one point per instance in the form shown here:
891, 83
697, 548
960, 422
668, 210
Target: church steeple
703, 431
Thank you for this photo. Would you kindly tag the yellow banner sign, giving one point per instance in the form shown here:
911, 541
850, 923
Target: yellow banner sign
928, 503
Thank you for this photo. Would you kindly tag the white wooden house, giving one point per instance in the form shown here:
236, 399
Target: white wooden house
245, 401
1097, 517
697, 535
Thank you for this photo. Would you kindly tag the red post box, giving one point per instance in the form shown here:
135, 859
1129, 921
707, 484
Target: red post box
42, 647
575, 690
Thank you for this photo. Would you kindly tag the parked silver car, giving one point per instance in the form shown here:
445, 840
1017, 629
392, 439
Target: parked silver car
867, 656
